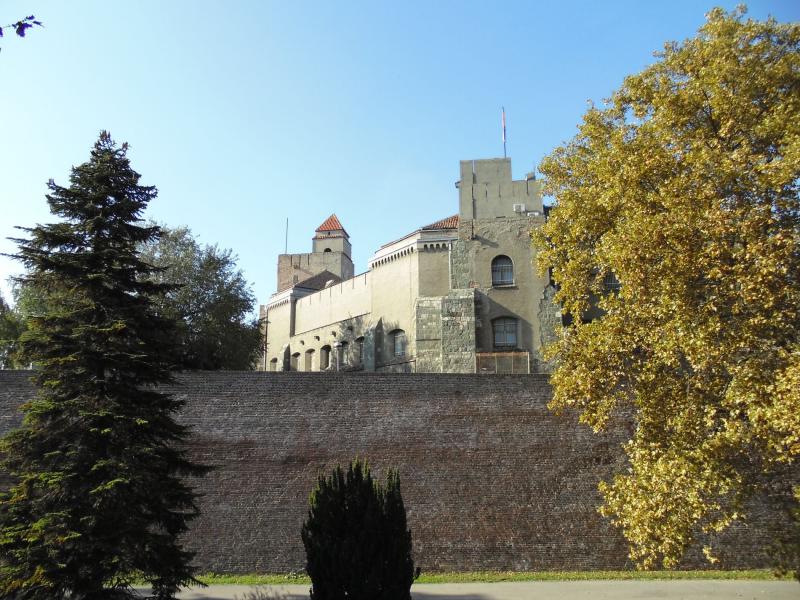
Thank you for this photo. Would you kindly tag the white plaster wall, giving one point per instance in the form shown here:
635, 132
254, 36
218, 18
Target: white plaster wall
339, 302
277, 332
395, 287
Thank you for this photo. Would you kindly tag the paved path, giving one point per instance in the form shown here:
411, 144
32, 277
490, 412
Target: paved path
538, 590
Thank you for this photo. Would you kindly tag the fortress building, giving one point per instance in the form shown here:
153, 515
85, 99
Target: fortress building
460, 295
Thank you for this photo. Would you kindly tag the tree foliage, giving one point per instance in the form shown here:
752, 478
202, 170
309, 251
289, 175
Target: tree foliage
358, 546
685, 186
209, 298
14, 322
22, 26
11, 326
98, 497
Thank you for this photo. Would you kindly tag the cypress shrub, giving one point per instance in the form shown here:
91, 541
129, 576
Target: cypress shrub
358, 546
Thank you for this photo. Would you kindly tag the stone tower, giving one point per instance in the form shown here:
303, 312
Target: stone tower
330, 251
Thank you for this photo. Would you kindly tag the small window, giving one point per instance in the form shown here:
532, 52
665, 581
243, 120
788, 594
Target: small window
502, 271
505, 333
273, 364
327, 250
324, 358
398, 337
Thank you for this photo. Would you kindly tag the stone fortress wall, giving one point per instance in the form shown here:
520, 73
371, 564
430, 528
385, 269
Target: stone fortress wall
490, 477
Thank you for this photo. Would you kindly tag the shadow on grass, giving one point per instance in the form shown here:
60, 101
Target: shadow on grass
428, 596
275, 593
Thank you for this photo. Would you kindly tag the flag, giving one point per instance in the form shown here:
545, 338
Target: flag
504, 124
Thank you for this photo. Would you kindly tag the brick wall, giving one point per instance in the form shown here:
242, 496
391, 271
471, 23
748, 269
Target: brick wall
491, 479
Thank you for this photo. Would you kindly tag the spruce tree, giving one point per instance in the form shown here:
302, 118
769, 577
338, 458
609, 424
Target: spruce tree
358, 545
98, 498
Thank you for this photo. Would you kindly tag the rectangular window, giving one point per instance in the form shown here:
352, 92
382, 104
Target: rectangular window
505, 333
611, 283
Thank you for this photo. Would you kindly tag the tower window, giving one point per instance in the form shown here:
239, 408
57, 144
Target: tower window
502, 271
327, 250
611, 283
505, 333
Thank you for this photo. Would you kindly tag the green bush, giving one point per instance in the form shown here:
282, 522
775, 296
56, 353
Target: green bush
358, 546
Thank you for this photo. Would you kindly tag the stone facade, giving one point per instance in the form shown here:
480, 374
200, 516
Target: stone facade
448, 297
491, 478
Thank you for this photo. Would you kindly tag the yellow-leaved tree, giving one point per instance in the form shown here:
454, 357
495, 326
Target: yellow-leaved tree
677, 221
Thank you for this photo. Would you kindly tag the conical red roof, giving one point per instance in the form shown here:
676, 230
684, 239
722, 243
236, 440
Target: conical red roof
331, 224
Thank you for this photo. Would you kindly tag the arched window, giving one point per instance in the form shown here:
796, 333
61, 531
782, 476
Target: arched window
327, 250
294, 365
324, 358
273, 364
309, 360
502, 271
398, 339
504, 330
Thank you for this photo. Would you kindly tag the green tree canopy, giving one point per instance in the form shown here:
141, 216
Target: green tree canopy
209, 298
14, 322
11, 326
685, 187
98, 499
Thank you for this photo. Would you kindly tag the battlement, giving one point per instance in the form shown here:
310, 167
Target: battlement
486, 191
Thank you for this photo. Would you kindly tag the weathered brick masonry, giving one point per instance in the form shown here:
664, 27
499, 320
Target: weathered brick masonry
491, 478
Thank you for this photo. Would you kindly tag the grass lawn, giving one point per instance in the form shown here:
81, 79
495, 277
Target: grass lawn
496, 576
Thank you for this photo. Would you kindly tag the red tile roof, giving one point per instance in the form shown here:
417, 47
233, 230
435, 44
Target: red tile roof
331, 224
448, 223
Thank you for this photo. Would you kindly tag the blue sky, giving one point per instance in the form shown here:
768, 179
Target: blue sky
246, 113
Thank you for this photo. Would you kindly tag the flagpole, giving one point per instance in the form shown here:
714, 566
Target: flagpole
503, 120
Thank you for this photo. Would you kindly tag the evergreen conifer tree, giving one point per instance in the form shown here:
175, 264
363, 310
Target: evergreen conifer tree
98, 498
358, 545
